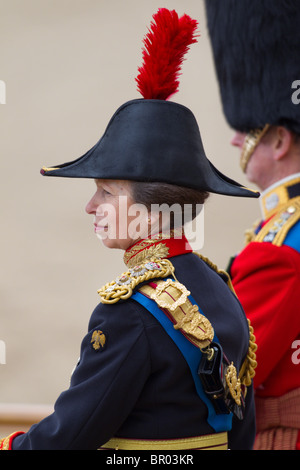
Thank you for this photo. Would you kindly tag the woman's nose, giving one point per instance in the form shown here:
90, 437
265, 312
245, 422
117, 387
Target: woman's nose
91, 206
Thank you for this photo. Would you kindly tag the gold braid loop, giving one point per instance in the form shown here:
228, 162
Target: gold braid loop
247, 371
122, 288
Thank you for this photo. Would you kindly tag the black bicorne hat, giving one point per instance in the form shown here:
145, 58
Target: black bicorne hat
153, 139
256, 49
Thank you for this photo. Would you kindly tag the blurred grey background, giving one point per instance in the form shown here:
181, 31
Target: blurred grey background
68, 65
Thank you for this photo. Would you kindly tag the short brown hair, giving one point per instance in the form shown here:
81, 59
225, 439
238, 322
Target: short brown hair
155, 193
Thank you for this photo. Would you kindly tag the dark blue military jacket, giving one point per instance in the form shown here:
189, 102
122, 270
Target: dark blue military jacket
137, 384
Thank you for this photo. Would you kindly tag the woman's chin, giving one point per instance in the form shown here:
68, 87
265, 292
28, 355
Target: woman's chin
114, 242
108, 242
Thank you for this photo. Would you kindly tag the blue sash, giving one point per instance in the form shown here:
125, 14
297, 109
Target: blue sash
192, 354
293, 237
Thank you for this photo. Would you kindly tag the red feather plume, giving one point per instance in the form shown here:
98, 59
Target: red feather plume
165, 45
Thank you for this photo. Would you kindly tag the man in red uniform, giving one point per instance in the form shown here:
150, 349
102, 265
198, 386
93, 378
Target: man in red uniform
255, 51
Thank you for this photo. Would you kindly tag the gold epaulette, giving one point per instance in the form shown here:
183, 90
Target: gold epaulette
122, 287
277, 228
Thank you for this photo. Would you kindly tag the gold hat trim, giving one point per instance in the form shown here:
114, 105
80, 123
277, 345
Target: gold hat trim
49, 169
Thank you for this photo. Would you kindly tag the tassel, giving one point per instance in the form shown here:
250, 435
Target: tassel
165, 45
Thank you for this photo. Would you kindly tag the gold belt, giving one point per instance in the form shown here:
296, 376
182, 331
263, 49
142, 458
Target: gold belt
218, 441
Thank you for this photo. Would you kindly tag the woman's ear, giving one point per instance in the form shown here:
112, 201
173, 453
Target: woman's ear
154, 222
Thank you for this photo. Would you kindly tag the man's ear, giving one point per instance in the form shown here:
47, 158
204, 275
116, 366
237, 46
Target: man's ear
282, 143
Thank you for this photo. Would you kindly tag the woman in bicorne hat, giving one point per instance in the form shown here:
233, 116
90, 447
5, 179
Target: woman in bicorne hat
168, 360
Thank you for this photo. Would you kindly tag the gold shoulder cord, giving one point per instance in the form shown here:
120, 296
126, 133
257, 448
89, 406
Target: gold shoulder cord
247, 371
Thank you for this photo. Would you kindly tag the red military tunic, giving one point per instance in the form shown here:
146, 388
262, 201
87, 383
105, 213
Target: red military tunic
266, 278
